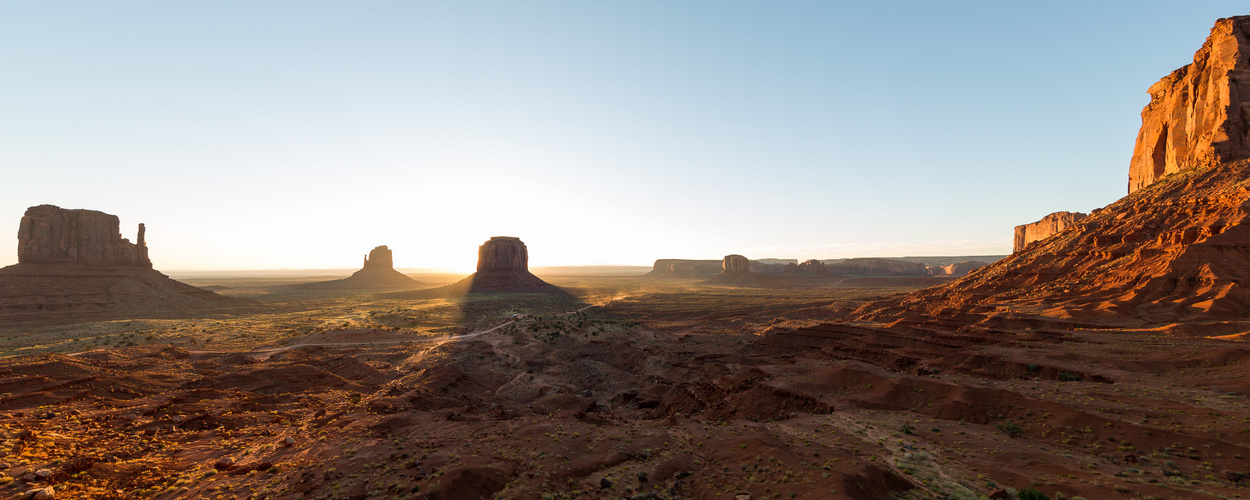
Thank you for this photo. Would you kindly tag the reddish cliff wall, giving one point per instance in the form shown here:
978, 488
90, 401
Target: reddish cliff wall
1200, 114
1042, 229
49, 234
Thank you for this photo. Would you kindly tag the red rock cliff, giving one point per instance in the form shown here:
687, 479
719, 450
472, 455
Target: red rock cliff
1200, 114
735, 264
1042, 229
380, 258
503, 253
49, 234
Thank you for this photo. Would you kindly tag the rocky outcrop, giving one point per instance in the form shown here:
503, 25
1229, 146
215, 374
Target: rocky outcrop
735, 263
1178, 252
1045, 228
877, 267
1199, 115
736, 271
380, 257
503, 253
769, 266
502, 267
73, 265
49, 234
963, 268
811, 267
377, 273
684, 269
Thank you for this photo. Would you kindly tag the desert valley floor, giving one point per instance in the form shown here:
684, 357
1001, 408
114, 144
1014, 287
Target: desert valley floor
619, 388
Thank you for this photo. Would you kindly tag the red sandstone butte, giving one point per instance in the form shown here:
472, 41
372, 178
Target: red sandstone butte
1199, 115
1045, 228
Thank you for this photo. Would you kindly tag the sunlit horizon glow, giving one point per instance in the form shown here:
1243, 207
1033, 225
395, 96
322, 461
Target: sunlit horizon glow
299, 135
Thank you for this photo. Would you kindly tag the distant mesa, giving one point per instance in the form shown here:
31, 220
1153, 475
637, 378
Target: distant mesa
736, 270
684, 269
1198, 115
1175, 251
735, 263
377, 273
75, 261
502, 266
957, 269
877, 267
1045, 228
810, 267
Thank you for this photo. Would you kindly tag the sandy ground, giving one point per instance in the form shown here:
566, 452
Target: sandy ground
624, 389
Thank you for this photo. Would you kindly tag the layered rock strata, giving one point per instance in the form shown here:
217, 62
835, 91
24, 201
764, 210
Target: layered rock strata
1199, 115
811, 267
74, 264
1177, 253
503, 266
49, 234
735, 263
878, 267
1045, 228
684, 269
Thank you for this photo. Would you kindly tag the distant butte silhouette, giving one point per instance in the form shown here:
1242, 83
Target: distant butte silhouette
377, 273
1175, 250
75, 261
503, 266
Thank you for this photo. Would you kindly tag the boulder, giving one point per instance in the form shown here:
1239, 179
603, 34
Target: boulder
1199, 115
1045, 228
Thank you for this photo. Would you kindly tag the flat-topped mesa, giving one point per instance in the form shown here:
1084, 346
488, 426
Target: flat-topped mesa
379, 258
686, 266
1199, 115
503, 253
49, 234
808, 267
735, 263
877, 267
1045, 228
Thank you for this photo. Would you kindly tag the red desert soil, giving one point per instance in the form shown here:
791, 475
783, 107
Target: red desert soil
1106, 361
690, 391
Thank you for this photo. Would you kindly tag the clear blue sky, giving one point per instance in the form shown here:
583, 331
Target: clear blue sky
300, 134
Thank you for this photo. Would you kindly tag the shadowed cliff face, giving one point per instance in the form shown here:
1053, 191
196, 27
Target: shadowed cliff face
52, 235
379, 258
735, 264
73, 265
503, 253
1200, 114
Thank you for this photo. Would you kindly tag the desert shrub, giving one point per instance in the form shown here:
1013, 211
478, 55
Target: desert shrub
1011, 429
908, 429
1031, 493
1069, 377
